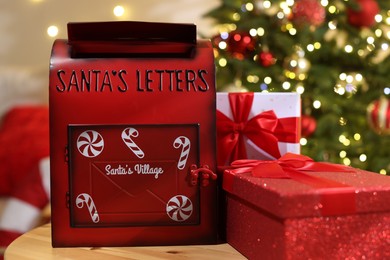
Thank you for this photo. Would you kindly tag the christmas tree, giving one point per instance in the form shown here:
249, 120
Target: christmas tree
333, 52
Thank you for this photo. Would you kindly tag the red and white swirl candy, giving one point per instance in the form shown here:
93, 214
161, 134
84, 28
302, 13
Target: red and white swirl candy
185, 143
90, 143
127, 136
85, 199
179, 208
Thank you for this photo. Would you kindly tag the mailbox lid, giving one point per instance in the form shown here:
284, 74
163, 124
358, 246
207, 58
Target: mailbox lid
131, 39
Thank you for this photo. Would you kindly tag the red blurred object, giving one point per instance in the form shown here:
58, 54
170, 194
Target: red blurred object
364, 16
308, 12
24, 142
378, 115
240, 44
130, 114
266, 59
24, 134
308, 125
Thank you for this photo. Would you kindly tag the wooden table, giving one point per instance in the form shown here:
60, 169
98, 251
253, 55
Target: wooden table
36, 244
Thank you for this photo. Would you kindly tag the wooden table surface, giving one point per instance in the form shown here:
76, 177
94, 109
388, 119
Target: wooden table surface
36, 244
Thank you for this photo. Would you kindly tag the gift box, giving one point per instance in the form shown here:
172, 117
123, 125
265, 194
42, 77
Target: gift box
132, 106
294, 208
260, 126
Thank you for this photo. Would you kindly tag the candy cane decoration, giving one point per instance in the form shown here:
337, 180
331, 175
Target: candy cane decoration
185, 143
84, 198
90, 143
127, 135
179, 208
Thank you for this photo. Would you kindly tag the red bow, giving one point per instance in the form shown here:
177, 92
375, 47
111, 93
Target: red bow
292, 166
264, 130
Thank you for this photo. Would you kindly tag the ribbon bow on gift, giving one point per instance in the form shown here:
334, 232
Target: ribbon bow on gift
264, 130
292, 166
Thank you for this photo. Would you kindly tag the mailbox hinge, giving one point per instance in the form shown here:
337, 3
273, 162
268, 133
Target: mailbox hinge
66, 156
67, 199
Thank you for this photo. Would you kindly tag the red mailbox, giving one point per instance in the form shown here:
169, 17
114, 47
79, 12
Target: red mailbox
132, 136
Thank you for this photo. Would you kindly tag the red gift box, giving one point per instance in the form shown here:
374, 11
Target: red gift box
132, 106
294, 208
260, 126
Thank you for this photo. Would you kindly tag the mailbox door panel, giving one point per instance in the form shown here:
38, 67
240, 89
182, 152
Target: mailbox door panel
133, 175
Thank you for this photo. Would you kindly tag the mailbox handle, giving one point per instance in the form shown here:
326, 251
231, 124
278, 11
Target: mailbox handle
131, 39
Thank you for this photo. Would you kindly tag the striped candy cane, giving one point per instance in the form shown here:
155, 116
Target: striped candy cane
84, 198
185, 143
127, 135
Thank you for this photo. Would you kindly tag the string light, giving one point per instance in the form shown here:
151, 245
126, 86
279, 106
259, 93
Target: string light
253, 32
317, 104
119, 11
310, 47
52, 31
357, 137
249, 7
342, 121
346, 161
300, 89
303, 141
286, 85
332, 25
266, 4
370, 40
222, 62
260, 31
348, 48
378, 18
332, 9
236, 17
268, 80
222, 45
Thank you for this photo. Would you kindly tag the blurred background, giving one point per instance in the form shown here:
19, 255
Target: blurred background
24, 24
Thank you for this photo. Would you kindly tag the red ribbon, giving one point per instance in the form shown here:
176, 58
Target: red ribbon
336, 197
264, 129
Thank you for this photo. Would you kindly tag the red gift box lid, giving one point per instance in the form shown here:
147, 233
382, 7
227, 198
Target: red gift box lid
287, 198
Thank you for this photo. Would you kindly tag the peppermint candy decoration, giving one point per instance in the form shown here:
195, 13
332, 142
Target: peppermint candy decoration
127, 136
85, 199
179, 208
185, 143
90, 143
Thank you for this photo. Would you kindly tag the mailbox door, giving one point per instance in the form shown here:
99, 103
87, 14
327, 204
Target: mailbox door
133, 175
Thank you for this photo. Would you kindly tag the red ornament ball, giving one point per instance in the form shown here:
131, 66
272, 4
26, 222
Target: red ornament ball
265, 59
240, 44
308, 125
308, 12
364, 16
378, 115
